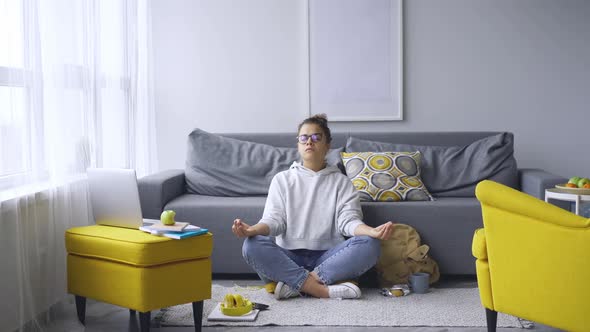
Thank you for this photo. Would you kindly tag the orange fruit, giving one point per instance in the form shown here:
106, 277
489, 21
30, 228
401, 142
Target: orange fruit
587, 186
571, 185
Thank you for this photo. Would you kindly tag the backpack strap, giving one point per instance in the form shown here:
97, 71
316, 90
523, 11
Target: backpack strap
419, 253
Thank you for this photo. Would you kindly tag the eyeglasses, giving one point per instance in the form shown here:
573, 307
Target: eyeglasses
314, 138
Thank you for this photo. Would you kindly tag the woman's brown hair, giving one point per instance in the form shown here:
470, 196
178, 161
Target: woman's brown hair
322, 121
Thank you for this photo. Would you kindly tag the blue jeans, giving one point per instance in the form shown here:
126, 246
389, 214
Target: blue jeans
348, 260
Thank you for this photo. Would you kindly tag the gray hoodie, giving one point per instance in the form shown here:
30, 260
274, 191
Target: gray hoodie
311, 210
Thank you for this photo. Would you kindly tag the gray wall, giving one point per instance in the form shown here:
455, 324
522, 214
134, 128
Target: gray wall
514, 65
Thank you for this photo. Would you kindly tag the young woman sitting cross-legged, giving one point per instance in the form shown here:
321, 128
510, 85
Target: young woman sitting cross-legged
310, 209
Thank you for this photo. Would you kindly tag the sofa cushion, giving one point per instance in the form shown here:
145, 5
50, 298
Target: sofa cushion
386, 176
222, 166
456, 170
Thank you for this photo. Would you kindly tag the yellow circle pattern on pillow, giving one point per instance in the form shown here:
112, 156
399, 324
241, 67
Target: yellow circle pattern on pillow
389, 196
386, 176
380, 162
360, 183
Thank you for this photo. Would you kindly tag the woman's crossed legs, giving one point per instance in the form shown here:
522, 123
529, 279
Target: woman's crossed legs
311, 271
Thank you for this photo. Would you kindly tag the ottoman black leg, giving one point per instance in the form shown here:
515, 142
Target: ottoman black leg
144, 321
491, 317
198, 315
81, 308
131, 312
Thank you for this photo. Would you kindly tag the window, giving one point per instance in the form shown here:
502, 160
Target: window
65, 99
115, 93
14, 111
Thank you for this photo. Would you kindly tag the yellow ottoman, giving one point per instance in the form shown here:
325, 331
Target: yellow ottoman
137, 270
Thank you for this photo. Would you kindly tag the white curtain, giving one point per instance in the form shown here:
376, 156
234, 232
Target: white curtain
75, 92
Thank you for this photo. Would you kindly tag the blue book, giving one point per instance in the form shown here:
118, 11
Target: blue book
184, 235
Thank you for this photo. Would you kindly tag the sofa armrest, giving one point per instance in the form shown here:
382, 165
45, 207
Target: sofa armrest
156, 190
535, 181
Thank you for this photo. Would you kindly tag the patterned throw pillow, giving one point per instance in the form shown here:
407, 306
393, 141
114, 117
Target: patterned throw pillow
386, 176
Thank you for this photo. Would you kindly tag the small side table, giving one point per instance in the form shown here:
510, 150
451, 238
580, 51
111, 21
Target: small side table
558, 194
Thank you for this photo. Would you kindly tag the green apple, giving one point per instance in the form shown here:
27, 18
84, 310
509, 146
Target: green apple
582, 182
574, 180
167, 217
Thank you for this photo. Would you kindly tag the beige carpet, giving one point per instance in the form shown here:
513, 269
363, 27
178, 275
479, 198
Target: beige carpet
452, 307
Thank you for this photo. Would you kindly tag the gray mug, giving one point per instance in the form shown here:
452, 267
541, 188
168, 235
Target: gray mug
419, 282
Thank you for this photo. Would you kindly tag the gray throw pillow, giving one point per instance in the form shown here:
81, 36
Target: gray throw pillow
222, 166
456, 170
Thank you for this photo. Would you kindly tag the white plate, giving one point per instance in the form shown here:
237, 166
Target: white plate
577, 191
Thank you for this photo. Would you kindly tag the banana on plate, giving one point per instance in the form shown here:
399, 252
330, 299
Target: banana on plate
235, 305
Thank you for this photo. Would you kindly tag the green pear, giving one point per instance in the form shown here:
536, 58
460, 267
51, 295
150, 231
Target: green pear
574, 180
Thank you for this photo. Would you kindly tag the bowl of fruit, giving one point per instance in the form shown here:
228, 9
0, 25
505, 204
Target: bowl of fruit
576, 185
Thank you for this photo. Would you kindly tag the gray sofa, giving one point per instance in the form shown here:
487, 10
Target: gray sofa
445, 224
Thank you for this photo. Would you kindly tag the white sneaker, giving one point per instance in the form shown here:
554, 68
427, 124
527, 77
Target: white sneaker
345, 290
283, 291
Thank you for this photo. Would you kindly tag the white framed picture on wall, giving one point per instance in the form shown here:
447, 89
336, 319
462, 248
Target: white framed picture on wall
356, 59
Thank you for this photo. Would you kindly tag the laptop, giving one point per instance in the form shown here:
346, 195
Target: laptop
115, 198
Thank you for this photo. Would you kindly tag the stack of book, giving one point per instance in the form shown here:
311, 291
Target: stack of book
178, 231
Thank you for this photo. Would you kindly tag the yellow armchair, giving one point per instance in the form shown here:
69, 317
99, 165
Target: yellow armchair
533, 259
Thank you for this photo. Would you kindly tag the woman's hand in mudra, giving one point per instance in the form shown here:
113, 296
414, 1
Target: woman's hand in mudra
241, 229
382, 232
